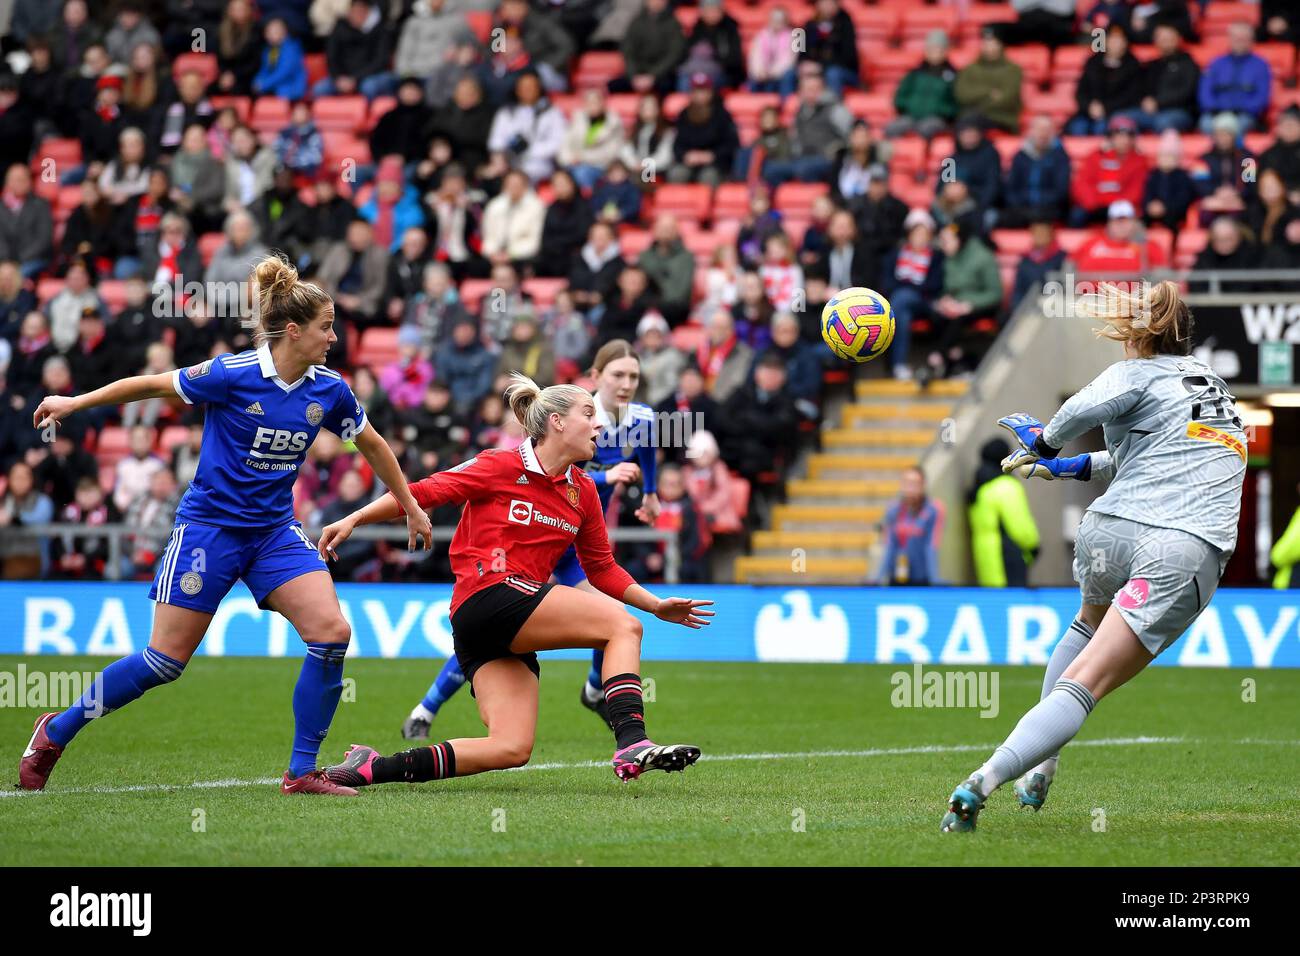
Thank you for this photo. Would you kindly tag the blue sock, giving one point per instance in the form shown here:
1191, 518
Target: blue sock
449, 680
315, 699
120, 683
594, 677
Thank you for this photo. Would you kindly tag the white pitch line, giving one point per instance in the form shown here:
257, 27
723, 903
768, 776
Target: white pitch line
583, 764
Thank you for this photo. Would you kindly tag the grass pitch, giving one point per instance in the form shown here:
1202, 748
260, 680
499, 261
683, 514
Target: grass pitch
804, 765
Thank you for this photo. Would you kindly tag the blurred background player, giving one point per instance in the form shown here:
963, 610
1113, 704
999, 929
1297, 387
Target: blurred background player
264, 409
625, 454
503, 609
1151, 550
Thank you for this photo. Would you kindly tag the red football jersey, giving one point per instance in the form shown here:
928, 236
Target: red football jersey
518, 520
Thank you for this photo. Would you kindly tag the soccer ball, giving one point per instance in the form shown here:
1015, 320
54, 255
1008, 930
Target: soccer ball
858, 324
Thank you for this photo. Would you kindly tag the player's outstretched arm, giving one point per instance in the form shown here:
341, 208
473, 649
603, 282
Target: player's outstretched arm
674, 610
383, 508
376, 451
137, 388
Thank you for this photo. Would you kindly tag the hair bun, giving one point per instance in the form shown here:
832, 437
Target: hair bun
275, 277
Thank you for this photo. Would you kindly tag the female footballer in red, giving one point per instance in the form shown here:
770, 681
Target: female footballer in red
523, 509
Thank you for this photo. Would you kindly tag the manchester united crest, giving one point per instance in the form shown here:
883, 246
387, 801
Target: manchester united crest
572, 492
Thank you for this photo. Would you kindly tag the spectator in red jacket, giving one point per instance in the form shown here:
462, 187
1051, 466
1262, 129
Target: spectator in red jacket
1119, 248
1114, 172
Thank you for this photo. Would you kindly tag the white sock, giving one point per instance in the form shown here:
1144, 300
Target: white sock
1067, 649
422, 713
1043, 731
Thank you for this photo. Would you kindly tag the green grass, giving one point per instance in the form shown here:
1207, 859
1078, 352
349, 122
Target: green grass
1209, 799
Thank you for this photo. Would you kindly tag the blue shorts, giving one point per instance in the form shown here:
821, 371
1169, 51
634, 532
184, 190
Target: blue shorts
569, 570
202, 562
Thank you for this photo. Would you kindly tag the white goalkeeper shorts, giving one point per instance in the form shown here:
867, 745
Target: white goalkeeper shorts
1160, 579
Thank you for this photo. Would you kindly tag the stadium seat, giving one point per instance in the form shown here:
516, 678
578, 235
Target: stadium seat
687, 338
378, 107
1034, 61
976, 15
113, 444
1080, 147
1188, 246
730, 201
633, 242
64, 153
107, 477
1056, 105
795, 227
544, 291
1281, 59
480, 22
1208, 50
378, 347
345, 113
891, 65
625, 104
877, 108
909, 155
472, 292
205, 64
317, 68
1072, 239
242, 105
873, 26
687, 201
794, 199
597, 68
270, 114
674, 103
1012, 242
1007, 147
687, 16
67, 199
740, 498
172, 436
47, 289
1219, 15
919, 20
209, 243
113, 292
1067, 63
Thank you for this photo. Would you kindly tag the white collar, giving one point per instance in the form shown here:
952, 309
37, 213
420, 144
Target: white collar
529, 454
267, 365
605, 419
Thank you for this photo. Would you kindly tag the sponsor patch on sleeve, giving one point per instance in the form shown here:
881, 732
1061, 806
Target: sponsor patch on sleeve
198, 371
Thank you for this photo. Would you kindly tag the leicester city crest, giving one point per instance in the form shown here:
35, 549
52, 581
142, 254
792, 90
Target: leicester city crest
315, 413
191, 583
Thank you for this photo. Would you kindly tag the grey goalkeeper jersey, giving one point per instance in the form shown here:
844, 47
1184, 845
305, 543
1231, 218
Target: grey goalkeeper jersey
1174, 445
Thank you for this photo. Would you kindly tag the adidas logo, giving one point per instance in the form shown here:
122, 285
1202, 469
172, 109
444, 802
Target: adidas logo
523, 480
254, 409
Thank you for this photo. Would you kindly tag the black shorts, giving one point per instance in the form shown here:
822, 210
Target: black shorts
483, 627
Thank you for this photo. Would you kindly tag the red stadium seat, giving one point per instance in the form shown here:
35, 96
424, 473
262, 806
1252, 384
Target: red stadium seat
1208, 50
876, 108
317, 68
625, 104
209, 243
63, 153
920, 20
1072, 239
544, 291
113, 292
1079, 147
597, 68
472, 292
1219, 15
910, 192
113, 444
890, 66
730, 202
794, 199
976, 15
270, 114
1034, 61
47, 289
873, 26
480, 22
1067, 63
687, 337
1058, 106
346, 113
1188, 246
378, 107
674, 103
173, 436
67, 199
107, 477
1012, 242
795, 227
1007, 147
687, 16
378, 347
685, 200
633, 242
909, 155
1281, 59
242, 105
205, 64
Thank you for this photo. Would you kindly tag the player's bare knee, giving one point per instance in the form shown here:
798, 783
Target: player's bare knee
515, 753
630, 629
337, 631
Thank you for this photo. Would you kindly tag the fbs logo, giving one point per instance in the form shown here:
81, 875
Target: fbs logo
1134, 594
801, 635
521, 512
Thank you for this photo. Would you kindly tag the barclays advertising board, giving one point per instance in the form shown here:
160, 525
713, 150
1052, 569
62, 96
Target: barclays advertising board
1240, 628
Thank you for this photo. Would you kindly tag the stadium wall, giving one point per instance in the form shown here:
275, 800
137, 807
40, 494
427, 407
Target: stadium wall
957, 626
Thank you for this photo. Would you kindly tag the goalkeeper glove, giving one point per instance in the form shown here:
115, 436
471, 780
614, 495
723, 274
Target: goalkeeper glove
1028, 465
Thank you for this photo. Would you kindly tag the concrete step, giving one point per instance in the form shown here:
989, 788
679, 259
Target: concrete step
813, 541
866, 441
780, 570
893, 388
834, 518
822, 465
842, 488
872, 416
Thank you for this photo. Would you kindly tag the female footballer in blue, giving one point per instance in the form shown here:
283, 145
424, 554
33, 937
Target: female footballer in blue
625, 453
264, 409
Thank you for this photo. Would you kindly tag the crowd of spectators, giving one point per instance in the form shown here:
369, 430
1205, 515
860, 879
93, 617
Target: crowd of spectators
488, 185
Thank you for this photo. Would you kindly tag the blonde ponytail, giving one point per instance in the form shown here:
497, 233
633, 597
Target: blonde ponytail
533, 406
1155, 318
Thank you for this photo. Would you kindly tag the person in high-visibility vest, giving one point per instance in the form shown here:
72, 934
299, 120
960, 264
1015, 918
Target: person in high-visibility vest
1004, 537
1286, 555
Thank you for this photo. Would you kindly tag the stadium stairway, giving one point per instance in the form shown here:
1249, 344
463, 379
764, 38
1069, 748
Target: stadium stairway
827, 529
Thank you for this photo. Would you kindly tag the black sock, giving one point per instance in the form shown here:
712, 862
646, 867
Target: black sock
625, 709
416, 766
